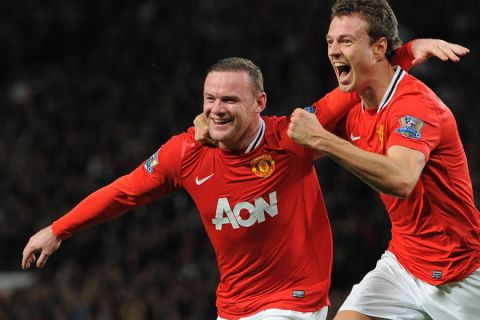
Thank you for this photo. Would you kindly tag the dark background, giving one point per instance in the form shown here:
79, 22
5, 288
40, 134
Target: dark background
90, 89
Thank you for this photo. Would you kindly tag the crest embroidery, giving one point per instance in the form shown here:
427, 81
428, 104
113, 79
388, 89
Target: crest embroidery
263, 166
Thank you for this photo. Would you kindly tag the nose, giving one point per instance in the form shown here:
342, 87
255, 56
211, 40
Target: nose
215, 107
333, 49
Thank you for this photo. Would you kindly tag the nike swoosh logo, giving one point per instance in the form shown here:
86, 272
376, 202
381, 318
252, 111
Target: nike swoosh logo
200, 181
354, 138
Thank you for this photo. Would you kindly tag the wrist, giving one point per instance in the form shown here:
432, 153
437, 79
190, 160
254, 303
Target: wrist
59, 232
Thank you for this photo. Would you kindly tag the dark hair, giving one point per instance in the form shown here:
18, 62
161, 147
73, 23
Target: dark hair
379, 16
241, 64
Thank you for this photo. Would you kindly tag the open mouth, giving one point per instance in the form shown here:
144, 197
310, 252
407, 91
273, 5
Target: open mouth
342, 70
220, 122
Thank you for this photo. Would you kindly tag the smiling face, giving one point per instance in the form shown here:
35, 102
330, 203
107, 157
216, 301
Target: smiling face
232, 108
350, 51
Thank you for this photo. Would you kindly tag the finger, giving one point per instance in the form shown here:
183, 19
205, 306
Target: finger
27, 254
439, 52
205, 135
42, 259
448, 52
451, 55
28, 260
458, 49
453, 51
199, 119
26, 263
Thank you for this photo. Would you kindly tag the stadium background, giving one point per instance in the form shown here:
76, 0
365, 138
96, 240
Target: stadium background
89, 89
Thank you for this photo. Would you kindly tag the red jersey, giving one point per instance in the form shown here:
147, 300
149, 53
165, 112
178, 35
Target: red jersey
263, 211
436, 229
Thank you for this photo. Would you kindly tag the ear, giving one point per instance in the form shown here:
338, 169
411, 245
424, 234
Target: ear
379, 49
261, 102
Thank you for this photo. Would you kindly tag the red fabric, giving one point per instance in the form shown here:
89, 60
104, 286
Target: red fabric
436, 229
263, 212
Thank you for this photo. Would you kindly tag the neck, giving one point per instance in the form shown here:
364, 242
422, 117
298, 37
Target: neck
244, 142
373, 94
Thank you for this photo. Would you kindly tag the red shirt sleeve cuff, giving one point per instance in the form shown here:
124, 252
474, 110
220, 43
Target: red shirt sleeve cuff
58, 232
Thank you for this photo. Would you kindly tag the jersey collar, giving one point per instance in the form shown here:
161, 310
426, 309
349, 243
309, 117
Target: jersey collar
387, 97
258, 138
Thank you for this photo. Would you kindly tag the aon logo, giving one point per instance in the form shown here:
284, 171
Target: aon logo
256, 212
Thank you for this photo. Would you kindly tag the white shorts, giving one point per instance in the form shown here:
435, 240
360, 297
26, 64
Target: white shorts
391, 292
279, 314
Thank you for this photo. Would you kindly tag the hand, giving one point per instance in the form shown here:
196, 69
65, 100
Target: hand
201, 130
304, 128
45, 242
423, 49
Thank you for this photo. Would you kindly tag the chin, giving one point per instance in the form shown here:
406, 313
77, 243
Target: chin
346, 88
219, 136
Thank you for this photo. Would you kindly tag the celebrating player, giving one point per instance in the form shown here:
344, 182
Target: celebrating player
403, 141
257, 193
258, 196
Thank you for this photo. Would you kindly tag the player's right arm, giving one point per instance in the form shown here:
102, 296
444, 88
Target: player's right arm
156, 177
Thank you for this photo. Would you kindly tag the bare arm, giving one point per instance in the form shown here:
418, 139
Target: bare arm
396, 173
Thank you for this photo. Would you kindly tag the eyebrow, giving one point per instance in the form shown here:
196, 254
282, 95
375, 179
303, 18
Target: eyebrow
224, 97
227, 97
340, 36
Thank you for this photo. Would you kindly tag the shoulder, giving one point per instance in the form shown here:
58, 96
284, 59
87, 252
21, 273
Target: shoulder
276, 123
276, 137
275, 128
416, 97
182, 145
412, 88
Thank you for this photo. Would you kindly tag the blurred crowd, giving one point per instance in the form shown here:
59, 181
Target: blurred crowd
90, 89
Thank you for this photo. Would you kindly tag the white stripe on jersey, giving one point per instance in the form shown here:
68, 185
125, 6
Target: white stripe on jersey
399, 74
258, 138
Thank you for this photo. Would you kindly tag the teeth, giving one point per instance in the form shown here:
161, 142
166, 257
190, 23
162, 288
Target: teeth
340, 64
219, 121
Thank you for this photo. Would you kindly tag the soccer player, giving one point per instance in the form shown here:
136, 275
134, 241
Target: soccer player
257, 194
403, 141
258, 197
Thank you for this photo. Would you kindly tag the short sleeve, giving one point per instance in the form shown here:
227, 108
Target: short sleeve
414, 123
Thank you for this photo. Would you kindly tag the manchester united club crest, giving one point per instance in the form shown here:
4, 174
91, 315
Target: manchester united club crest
263, 166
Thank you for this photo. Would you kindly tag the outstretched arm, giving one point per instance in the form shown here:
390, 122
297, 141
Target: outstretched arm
123, 194
104, 204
